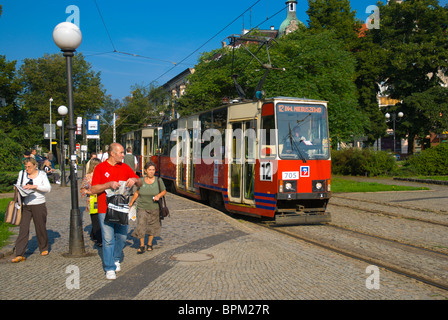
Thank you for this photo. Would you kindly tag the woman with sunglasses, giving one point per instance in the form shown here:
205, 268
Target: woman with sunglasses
33, 207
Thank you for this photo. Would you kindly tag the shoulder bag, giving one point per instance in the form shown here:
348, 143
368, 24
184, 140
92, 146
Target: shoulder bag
13, 213
163, 209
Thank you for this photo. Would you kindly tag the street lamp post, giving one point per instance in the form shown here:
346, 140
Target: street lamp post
394, 119
67, 37
51, 100
62, 110
60, 124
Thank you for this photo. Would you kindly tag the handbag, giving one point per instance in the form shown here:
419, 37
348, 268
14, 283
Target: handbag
13, 213
163, 209
117, 209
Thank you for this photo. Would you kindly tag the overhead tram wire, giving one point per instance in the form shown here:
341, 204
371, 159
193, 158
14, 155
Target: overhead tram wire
254, 28
121, 52
181, 62
228, 25
104, 24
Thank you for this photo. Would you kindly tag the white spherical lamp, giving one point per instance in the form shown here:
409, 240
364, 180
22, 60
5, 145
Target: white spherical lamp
63, 110
67, 36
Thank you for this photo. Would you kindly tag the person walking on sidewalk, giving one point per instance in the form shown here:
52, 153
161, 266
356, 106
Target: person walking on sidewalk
107, 176
86, 185
33, 207
148, 222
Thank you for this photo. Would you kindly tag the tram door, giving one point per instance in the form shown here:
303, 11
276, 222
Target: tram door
180, 172
187, 144
242, 162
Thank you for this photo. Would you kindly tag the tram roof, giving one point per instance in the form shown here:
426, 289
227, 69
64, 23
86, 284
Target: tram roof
282, 98
296, 98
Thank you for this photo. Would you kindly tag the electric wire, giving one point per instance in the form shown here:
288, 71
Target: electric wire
175, 64
210, 39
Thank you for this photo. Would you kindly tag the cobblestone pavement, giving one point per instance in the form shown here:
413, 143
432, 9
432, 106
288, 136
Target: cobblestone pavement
202, 254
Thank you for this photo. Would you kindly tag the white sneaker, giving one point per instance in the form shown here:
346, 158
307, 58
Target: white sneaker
58, 182
110, 275
118, 267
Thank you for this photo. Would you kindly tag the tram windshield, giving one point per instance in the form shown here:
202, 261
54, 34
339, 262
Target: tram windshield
302, 131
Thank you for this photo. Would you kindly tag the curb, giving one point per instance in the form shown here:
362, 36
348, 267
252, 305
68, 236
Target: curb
8, 249
440, 182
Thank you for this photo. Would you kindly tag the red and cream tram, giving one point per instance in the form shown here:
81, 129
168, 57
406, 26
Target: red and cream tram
267, 158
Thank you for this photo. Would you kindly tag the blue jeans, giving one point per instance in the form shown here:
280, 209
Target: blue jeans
114, 241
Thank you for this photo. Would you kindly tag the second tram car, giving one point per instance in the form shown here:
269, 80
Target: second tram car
267, 158
144, 143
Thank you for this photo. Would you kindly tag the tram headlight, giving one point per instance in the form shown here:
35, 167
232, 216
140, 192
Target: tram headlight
319, 186
287, 186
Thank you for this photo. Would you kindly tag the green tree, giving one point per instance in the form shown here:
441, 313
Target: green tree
12, 153
45, 77
413, 37
338, 16
317, 66
369, 71
335, 15
211, 81
12, 116
147, 105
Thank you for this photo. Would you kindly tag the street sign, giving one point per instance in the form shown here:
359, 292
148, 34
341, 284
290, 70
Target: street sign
93, 127
47, 131
78, 125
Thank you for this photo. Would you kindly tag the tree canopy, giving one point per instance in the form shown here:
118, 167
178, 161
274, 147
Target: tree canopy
414, 44
28, 90
316, 64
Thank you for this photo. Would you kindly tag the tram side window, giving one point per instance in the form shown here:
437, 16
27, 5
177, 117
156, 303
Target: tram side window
173, 127
206, 122
268, 138
165, 143
155, 144
220, 123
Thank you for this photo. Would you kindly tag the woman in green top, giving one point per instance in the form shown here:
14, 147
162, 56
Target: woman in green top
148, 207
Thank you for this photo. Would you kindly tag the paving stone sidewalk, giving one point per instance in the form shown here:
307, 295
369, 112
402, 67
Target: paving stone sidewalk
202, 254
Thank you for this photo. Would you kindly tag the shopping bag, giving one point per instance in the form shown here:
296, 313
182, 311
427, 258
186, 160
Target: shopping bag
93, 204
13, 213
117, 209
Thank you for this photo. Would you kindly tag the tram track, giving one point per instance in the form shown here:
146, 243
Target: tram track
405, 240
407, 257
440, 214
372, 259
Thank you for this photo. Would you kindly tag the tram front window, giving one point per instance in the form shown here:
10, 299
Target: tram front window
302, 131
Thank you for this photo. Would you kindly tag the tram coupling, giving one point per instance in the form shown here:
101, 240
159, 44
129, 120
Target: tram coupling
301, 215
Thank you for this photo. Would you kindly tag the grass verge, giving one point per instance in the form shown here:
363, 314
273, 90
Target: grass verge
4, 227
340, 185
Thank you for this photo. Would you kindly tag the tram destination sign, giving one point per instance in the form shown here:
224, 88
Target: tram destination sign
299, 108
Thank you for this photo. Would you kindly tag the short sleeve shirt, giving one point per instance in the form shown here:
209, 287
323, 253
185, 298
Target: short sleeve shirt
105, 172
147, 192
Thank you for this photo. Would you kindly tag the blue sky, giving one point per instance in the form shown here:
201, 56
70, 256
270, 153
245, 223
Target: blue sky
160, 32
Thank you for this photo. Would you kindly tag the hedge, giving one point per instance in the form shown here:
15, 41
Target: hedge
432, 161
362, 162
